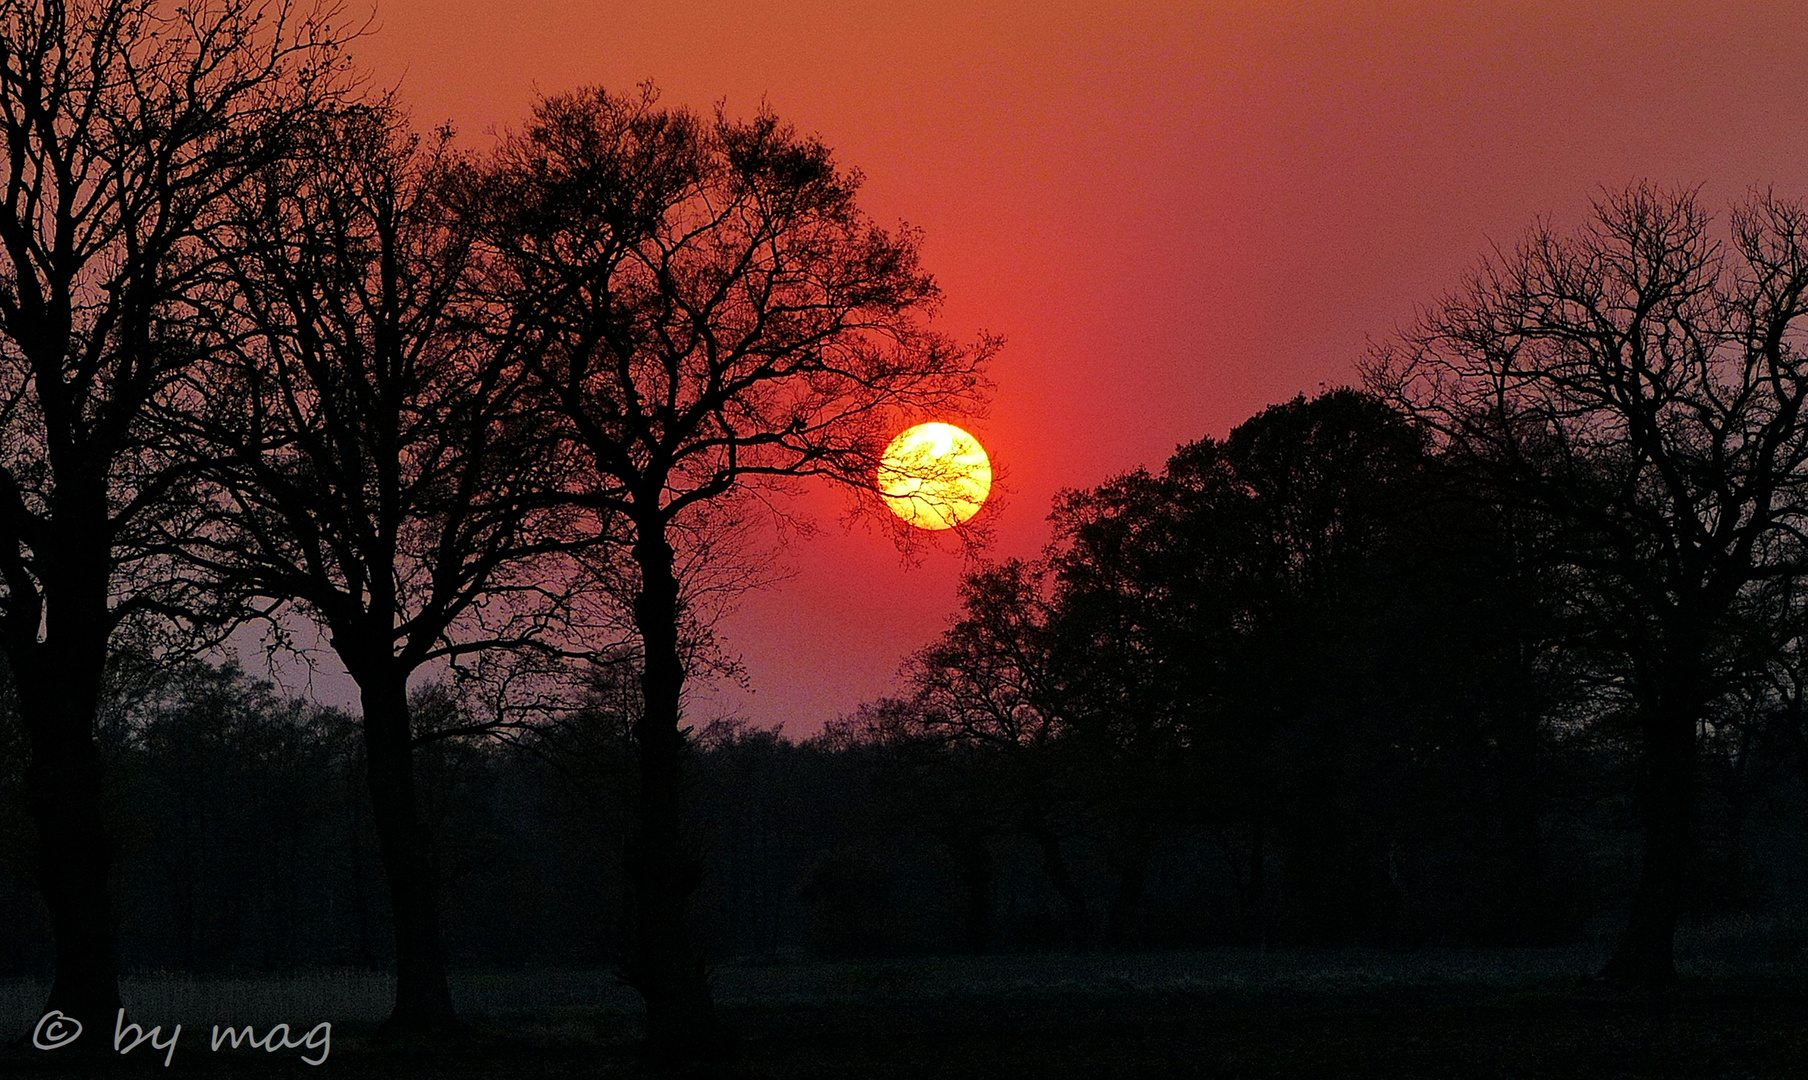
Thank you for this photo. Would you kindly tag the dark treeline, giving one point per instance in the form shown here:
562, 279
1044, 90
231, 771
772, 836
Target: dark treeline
1296, 689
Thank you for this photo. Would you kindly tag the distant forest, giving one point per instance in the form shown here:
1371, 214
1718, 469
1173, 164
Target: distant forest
1302, 687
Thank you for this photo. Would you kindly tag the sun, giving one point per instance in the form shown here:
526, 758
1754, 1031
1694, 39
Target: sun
935, 476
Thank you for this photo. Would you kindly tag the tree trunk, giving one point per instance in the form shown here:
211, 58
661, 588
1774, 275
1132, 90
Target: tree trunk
1794, 727
1054, 864
1131, 863
1666, 796
978, 883
662, 963
1327, 875
58, 695
1527, 918
58, 682
423, 998
1255, 900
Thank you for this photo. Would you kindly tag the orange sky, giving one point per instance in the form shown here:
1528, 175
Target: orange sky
1175, 213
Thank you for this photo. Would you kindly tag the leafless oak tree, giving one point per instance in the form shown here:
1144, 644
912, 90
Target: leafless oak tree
374, 461
125, 125
1641, 384
710, 313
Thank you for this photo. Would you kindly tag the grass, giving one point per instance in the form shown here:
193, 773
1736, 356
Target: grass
1524, 1013
363, 997
1215, 971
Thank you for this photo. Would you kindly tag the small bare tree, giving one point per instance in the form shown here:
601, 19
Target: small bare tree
1641, 385
125, 125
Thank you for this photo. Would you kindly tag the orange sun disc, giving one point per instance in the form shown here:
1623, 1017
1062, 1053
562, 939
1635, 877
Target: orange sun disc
935, 476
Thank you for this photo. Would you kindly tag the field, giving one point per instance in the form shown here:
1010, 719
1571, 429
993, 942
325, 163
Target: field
1520, 1014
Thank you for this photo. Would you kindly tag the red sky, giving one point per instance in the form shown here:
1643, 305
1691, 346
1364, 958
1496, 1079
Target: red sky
1175, 213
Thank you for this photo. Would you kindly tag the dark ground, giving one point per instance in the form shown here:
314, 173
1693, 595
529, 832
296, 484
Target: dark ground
1696, 1031
1710, 1027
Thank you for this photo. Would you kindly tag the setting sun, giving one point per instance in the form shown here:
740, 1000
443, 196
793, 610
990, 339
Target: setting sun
935, 476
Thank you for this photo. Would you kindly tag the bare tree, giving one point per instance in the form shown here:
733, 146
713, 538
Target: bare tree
124, 127
1642, 386
374, 463
711, 314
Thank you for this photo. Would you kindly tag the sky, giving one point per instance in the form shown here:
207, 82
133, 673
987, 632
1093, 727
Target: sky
1176, 214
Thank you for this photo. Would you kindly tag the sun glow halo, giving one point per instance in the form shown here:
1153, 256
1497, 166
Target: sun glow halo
935, 476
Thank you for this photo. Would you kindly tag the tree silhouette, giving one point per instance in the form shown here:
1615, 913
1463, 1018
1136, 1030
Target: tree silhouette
993, 694
710, 312
373, 461
1642, 387
1218, 627
125, 127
